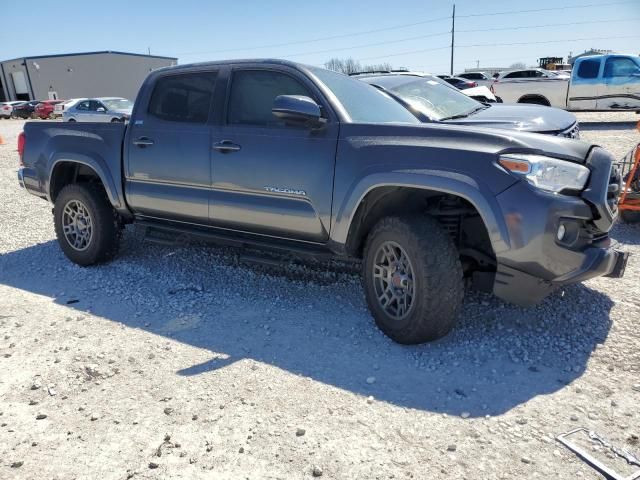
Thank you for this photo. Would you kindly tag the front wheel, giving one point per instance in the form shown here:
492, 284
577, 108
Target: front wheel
86, 224
413, 278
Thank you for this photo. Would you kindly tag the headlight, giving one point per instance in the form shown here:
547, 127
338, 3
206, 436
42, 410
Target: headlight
546, 173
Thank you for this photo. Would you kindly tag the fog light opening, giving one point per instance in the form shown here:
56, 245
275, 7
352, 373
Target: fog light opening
562, 230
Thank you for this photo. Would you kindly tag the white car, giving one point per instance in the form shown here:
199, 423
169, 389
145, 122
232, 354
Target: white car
481, 78
102, 109
59, 108
529, 74
597, 83
6, 108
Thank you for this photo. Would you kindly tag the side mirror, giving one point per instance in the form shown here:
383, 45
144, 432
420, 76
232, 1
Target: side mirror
298, 109
101, 110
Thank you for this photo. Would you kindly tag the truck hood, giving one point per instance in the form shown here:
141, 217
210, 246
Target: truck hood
447, 137
522, 117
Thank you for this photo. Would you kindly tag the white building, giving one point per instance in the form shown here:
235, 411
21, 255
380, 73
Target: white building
91, 74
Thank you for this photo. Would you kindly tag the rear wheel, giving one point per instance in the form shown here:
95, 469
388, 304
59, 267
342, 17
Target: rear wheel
412, 278
86, 224
71, 120
535, 101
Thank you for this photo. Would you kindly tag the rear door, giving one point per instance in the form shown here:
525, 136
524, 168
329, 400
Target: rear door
586, 85
98, 111
168, 169
621, 84
276, 179
82, 111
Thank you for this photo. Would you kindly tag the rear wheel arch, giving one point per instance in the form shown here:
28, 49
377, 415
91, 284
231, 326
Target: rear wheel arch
66, 172
535, 100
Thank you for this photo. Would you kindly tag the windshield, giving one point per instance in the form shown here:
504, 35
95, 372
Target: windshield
364, 103
428, 95
118, 104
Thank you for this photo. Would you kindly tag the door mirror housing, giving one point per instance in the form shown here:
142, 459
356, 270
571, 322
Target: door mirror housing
298, 109
101, 109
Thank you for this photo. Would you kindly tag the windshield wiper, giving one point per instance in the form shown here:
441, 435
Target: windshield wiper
463, 115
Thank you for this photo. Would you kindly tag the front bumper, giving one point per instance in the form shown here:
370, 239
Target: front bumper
539, 259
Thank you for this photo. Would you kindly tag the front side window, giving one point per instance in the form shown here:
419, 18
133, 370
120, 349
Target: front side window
253, 93
183, 98
589, 69
620, 67
514, 75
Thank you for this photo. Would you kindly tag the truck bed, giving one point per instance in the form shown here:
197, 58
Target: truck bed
96, 145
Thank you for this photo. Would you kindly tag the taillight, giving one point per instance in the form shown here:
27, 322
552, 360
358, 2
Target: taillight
474, 84
21, 141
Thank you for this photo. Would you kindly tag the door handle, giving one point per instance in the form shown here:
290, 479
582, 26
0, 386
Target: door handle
226, 146
143, 142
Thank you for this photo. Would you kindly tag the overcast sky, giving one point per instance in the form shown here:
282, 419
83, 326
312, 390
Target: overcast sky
405, 33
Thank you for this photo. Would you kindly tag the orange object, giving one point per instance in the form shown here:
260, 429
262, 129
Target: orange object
629, 199
2, 142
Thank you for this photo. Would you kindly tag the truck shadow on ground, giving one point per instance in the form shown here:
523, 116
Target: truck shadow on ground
497, 358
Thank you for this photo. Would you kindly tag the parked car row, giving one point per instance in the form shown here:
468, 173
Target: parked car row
103, 109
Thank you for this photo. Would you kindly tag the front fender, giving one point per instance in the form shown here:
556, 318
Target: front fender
479, 195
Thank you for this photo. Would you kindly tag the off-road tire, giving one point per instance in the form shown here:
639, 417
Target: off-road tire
105, 238
438, 278
630, 216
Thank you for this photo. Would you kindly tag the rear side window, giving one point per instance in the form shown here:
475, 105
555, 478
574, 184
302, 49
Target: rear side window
183, 98
253, 93
83, 105
589, 69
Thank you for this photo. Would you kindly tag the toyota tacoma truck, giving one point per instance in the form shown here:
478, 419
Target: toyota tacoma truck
273, 154
597, 83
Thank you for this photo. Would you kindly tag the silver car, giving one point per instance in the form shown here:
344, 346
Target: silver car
104, 109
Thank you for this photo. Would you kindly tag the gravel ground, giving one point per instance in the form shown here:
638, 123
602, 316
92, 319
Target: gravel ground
182, 362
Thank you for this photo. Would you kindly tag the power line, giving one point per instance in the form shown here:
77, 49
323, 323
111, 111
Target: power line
320, 39
566, 7
548, 25
407, 25
431, 35
329, 50
497, 45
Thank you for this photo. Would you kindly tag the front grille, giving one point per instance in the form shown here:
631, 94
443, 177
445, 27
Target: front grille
571, 132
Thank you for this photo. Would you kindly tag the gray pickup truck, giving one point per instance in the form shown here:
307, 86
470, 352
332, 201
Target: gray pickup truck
279, 155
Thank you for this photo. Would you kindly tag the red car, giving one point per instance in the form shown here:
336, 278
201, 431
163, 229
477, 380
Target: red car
44, 109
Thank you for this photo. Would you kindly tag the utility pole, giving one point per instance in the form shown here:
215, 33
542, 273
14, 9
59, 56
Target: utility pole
477, 63
453, 34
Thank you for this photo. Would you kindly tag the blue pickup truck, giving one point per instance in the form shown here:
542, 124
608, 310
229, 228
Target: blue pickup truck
284, 156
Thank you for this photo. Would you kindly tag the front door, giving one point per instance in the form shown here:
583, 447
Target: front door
168, 171
269, 177
621, 84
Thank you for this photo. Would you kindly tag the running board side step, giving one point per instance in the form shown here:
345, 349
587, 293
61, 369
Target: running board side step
170, 233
